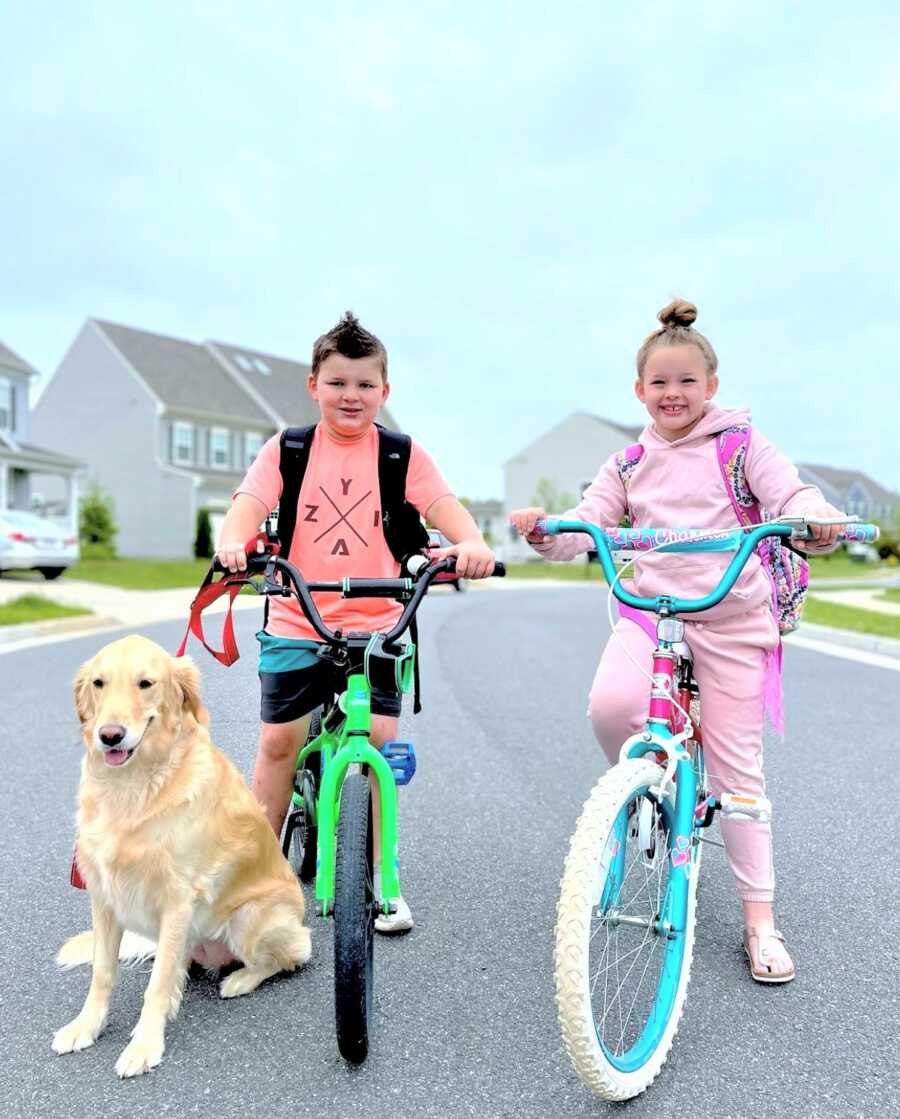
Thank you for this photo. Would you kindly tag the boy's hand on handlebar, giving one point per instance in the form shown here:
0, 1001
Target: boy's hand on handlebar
474, 559
234, 556
524, 520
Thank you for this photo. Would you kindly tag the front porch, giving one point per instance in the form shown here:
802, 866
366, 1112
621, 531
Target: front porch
34, 480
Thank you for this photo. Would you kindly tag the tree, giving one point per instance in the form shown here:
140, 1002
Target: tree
203, 541
549, 498
97, 527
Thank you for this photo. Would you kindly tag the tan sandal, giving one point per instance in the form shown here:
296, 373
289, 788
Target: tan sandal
762, 961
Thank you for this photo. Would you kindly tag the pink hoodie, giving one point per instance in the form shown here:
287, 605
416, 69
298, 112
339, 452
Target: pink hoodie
679, 485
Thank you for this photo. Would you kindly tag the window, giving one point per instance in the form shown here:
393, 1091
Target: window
261, 367
252, 443
220, 448
7, 415
182, 442
243, 362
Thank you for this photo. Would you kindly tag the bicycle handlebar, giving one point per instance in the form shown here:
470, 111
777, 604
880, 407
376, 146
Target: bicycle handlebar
412, 587
693, 540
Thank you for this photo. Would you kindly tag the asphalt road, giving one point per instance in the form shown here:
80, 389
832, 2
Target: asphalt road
464, 1015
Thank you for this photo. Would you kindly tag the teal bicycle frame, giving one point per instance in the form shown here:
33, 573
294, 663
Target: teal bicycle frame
339, 749
685, 818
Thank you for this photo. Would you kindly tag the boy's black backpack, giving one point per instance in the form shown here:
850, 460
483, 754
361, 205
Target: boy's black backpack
403, 529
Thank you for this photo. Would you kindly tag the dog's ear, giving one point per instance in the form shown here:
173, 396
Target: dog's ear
188, 680
83, 693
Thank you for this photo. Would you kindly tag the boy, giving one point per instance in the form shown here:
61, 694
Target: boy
338, 533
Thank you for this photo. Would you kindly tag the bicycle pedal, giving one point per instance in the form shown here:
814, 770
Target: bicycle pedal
401, 757
743, 806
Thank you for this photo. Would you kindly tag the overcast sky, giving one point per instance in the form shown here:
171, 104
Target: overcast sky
505, 193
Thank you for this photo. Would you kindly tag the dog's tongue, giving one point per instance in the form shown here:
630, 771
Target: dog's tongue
115, 757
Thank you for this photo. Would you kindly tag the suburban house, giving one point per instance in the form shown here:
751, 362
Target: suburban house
168, 426
29, 472
565, 459
563, 462
851, 491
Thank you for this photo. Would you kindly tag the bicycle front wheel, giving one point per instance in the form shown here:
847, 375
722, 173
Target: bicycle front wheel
622, 963
354, 919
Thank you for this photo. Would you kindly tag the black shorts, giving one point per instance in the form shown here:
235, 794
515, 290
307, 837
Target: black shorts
285, 696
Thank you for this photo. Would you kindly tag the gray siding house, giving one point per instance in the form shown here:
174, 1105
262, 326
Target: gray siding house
168, 426
851, 491
568, 457
28, 473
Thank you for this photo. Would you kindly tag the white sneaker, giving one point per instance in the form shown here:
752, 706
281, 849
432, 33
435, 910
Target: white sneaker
399, 922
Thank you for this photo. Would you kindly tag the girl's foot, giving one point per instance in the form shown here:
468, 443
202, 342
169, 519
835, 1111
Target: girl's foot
770, 961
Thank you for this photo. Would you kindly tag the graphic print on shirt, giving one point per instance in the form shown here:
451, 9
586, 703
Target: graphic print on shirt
340, 543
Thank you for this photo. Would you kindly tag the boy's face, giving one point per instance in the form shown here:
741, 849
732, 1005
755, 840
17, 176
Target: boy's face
349, 392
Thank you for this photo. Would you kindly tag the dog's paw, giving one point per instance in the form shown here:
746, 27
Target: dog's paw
139, 1056
241, 982
80, 1033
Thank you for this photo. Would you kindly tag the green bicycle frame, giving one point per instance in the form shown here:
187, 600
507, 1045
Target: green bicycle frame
349, 745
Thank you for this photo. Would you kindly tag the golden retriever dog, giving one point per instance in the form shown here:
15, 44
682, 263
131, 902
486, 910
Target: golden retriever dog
172, 845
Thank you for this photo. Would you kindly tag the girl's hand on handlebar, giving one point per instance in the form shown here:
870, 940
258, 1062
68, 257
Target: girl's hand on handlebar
234, 556
824, 536
474, 559
524, 520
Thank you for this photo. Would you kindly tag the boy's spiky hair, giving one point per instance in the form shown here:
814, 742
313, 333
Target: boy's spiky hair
350, 339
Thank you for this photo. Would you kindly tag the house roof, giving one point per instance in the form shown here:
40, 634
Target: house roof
29, 454
279, 383
183, 375
842, 480
11, 360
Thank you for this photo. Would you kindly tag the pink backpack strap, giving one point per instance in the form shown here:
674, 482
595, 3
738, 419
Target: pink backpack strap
732, 446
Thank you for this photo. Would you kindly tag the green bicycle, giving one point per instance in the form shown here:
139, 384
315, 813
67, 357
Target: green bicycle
329, 834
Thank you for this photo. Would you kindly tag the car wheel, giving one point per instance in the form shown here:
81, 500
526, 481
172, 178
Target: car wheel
51, 572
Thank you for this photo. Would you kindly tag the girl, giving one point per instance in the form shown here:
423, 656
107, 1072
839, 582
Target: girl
735, 645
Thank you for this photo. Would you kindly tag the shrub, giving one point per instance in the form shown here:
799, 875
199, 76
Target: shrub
203, 541
97, 527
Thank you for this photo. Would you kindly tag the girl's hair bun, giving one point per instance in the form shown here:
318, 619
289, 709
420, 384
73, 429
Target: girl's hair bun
677, 313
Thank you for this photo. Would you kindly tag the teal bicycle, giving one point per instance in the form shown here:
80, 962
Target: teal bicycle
625, 916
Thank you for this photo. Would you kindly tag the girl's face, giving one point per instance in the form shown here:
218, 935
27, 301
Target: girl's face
349, 392
674, 389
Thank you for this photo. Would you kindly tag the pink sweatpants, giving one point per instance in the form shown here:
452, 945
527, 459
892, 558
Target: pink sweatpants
729, 665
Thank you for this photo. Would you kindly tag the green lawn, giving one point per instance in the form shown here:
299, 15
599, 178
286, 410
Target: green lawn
544, 569
840, 566
140, 575
892, 594
848, 617
35, 608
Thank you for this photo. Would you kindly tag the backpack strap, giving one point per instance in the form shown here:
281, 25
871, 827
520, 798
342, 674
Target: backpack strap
626, 464
403, 529
732, 445
295, 445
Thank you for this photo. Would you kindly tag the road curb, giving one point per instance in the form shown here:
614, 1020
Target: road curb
26, 631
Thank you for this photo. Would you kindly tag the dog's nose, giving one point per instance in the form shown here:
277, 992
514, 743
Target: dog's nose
111, 734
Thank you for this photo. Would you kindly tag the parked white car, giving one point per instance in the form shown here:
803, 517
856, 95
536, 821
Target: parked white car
29, 542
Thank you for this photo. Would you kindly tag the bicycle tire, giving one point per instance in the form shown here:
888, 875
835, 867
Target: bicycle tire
354, 919
619, 1071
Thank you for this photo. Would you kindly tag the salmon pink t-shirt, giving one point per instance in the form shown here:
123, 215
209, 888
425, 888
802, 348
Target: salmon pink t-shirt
338, 531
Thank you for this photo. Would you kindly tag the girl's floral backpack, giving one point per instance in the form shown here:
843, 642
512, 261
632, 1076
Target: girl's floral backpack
788, 572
